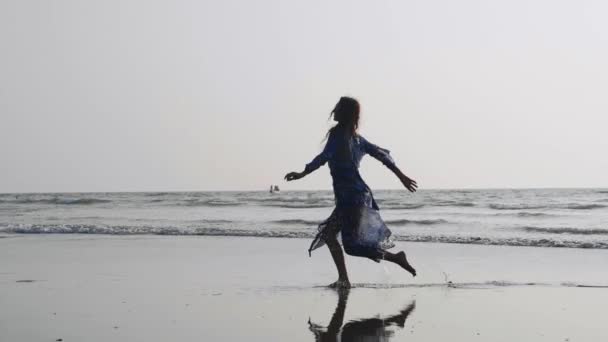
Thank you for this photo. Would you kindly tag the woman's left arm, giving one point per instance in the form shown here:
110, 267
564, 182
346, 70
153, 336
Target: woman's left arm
383, 155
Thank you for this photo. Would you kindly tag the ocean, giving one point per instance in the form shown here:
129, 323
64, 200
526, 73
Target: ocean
575, 218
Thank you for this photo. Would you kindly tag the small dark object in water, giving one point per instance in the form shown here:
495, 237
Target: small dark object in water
25, 281
59, 339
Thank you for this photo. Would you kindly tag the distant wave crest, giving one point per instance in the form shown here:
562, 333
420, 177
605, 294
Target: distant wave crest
400, 206
516, 206
301, 205
529, 214
528, 207
454, 204
584, 206
289, 204
58, 201
209, 203
566, 230
399, 222
155, 194
297, 222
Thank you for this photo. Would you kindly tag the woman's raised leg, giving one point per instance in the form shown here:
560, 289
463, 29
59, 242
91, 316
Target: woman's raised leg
401, 260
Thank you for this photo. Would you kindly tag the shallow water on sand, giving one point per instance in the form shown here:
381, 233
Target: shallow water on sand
177, 288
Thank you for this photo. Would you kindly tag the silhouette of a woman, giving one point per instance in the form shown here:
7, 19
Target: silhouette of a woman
356, 215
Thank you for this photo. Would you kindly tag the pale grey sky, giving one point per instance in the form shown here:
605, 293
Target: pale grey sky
120, 95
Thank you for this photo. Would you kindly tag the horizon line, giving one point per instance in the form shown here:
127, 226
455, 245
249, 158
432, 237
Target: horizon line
311, 190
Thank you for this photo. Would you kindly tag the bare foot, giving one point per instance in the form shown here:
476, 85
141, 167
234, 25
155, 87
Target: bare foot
402, 261
340, 284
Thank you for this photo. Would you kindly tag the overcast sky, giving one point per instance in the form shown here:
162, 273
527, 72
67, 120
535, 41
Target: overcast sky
121, 95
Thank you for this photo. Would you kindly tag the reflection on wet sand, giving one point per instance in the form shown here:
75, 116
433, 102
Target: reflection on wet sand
369, 329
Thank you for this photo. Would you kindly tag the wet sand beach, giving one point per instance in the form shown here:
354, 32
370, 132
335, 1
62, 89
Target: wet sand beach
159, 288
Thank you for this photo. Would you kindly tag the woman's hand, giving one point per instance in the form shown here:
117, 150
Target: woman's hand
409, 183
294, 175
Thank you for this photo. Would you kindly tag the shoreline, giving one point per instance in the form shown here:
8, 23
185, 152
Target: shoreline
474, 241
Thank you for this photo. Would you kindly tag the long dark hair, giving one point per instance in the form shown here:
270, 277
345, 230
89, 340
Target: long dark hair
346, 113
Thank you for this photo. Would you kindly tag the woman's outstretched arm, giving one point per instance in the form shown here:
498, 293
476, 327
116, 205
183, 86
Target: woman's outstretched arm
318, 161
383, 155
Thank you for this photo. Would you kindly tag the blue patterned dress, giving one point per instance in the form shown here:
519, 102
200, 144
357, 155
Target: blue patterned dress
356, 215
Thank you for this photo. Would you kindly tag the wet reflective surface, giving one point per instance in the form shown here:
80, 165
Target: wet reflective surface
114, 288
366, 329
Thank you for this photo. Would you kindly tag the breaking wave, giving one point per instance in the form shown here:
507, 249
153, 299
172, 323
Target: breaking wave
307, 233
523, 242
